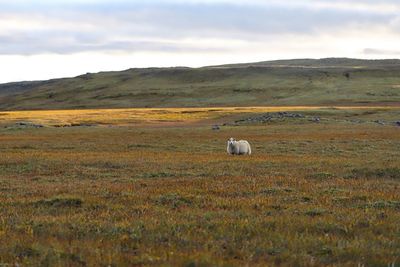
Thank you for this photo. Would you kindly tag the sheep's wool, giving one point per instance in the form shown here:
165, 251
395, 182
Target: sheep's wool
241, 147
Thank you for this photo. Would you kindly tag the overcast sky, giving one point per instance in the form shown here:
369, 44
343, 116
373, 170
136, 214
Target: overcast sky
42, 39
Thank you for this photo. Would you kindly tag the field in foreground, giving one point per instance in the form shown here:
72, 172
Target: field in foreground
313, 193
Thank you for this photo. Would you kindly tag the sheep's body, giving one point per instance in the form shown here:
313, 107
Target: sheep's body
241, 147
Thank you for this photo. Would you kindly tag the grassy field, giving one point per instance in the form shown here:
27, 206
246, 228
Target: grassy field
125, 192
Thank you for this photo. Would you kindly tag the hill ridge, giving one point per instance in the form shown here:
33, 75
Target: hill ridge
327, 81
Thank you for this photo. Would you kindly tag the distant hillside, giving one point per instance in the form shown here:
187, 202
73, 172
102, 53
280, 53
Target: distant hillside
323, 62
331, 81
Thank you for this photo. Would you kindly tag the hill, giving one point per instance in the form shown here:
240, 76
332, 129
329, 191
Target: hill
323, 62
330, 81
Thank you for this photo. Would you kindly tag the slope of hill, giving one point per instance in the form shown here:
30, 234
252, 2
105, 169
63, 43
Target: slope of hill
323, 62
333, 81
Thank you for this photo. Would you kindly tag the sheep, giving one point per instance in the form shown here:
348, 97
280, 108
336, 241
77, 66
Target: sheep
241, 147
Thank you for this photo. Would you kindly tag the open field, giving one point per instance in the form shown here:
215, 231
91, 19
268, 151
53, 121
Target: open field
313, 193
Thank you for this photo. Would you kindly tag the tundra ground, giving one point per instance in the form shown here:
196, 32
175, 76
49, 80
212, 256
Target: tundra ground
312, 194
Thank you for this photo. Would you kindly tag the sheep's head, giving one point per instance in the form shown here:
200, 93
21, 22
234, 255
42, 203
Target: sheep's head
231, 141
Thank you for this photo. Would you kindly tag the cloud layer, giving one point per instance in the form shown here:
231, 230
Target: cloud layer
220, 29
172, 26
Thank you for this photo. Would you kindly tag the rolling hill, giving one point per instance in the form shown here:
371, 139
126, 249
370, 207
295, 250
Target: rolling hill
330, 81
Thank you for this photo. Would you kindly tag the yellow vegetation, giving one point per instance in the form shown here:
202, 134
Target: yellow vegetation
151, 115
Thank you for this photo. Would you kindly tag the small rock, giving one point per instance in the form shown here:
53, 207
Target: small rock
81, 124
398, 123
267, 117
23, 124
215, 128
315, 119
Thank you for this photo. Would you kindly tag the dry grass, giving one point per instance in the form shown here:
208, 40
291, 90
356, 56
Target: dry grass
153, 115
311, 195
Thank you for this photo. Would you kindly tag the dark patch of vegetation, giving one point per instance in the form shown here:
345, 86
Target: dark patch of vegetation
75, 259
25, 251
140, 146
173, 200
385, 173
315, 212
276, 190
60, 202
190, 111
333, 190
382, 204
321, 176
353, 201
160, 174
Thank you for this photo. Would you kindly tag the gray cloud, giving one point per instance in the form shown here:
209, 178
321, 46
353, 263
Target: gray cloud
55, 43
161, 26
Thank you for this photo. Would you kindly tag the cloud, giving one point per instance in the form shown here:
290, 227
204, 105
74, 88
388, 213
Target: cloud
112, 35
381, 52
133, 26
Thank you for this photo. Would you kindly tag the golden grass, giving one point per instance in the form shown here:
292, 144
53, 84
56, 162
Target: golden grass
153, 115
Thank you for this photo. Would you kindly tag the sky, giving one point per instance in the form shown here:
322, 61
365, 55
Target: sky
43, 39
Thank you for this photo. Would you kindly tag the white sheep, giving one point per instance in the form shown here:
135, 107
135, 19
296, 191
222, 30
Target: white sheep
241, 147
